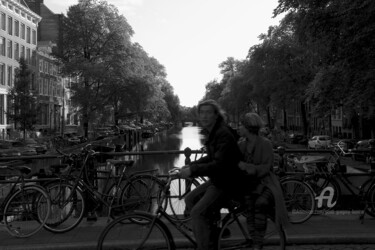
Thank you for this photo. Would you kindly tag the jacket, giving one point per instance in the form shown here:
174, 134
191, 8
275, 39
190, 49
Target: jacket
262, 158
221, 162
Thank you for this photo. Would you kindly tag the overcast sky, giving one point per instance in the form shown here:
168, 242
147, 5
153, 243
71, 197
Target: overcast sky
192, 37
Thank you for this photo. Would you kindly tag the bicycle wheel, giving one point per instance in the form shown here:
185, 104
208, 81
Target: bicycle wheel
141, 193
327, 191
370, 201
299, 200
136, 231
26, 211
174, 204
238, 238
67, 207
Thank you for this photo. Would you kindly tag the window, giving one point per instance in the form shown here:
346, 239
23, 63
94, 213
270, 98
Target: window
16, 28
16, 51
2, 74
40, 65
9, 108
34, 37
40, 86
23, 30
49, 87
10, 49
10, 76
2, 107
28, 35
33, 58
3, 21
45, 67
10, 25
28, 55
2, 46
22, 51
45, 87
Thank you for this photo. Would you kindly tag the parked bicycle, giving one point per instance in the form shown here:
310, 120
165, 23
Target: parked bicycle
26, 207
326, 178
120, 192
142, 230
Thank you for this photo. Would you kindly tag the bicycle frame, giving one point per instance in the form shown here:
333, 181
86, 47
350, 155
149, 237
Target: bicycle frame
19, 183
343, 178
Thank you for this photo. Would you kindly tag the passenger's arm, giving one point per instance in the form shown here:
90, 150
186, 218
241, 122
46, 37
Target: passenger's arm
264, 166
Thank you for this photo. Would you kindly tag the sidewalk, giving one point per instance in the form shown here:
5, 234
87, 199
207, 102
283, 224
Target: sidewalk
321, 230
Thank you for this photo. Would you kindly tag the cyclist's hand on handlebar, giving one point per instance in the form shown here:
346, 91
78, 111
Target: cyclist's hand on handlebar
185, 172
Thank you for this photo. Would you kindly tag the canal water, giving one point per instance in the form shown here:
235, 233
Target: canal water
176, 138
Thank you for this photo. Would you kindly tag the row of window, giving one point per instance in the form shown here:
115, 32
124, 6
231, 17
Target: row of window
8, 72
15, 28
46, 86
15, 51
18, 11
49, 87
48, 68
43, 114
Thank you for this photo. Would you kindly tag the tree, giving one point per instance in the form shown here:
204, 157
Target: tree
172, 101
93, 35
339, 35
23, 103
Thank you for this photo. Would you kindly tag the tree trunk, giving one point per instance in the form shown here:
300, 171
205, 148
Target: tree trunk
285, 123
305, 122
269, 116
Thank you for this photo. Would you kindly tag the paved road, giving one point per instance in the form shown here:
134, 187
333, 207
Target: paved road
330, 231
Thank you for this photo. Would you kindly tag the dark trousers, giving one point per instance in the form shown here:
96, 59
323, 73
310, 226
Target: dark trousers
259, 206
203, 204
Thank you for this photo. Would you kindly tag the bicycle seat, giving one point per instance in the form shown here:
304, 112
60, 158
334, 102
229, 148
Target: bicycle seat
120, 163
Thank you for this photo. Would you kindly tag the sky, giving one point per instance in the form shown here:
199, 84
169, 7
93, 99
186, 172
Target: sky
192, 37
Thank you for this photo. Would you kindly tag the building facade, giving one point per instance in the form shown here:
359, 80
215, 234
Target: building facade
18, 38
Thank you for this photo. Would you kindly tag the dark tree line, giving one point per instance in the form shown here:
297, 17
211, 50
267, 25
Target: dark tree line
320, 57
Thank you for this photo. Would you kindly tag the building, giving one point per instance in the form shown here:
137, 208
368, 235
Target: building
18, 38
52, 88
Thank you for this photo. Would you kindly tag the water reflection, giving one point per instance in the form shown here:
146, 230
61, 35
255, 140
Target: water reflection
172, 139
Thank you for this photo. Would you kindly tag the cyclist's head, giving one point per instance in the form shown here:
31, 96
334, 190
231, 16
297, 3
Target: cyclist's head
252, 123
215, 106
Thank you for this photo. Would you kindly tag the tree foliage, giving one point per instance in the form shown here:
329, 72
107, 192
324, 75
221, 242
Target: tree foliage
321, 55
113, 72
23, 107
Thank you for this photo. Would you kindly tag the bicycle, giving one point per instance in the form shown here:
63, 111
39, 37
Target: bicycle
299, 199
296, 182
325, 177
326, 185
71, 192
142, 230
179, 188
26, 207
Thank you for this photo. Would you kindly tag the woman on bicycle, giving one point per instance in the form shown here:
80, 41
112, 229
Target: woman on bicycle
264, 194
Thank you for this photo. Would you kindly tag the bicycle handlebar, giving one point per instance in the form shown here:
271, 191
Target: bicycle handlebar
174, 172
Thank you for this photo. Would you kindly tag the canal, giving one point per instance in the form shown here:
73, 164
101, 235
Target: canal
176, 138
